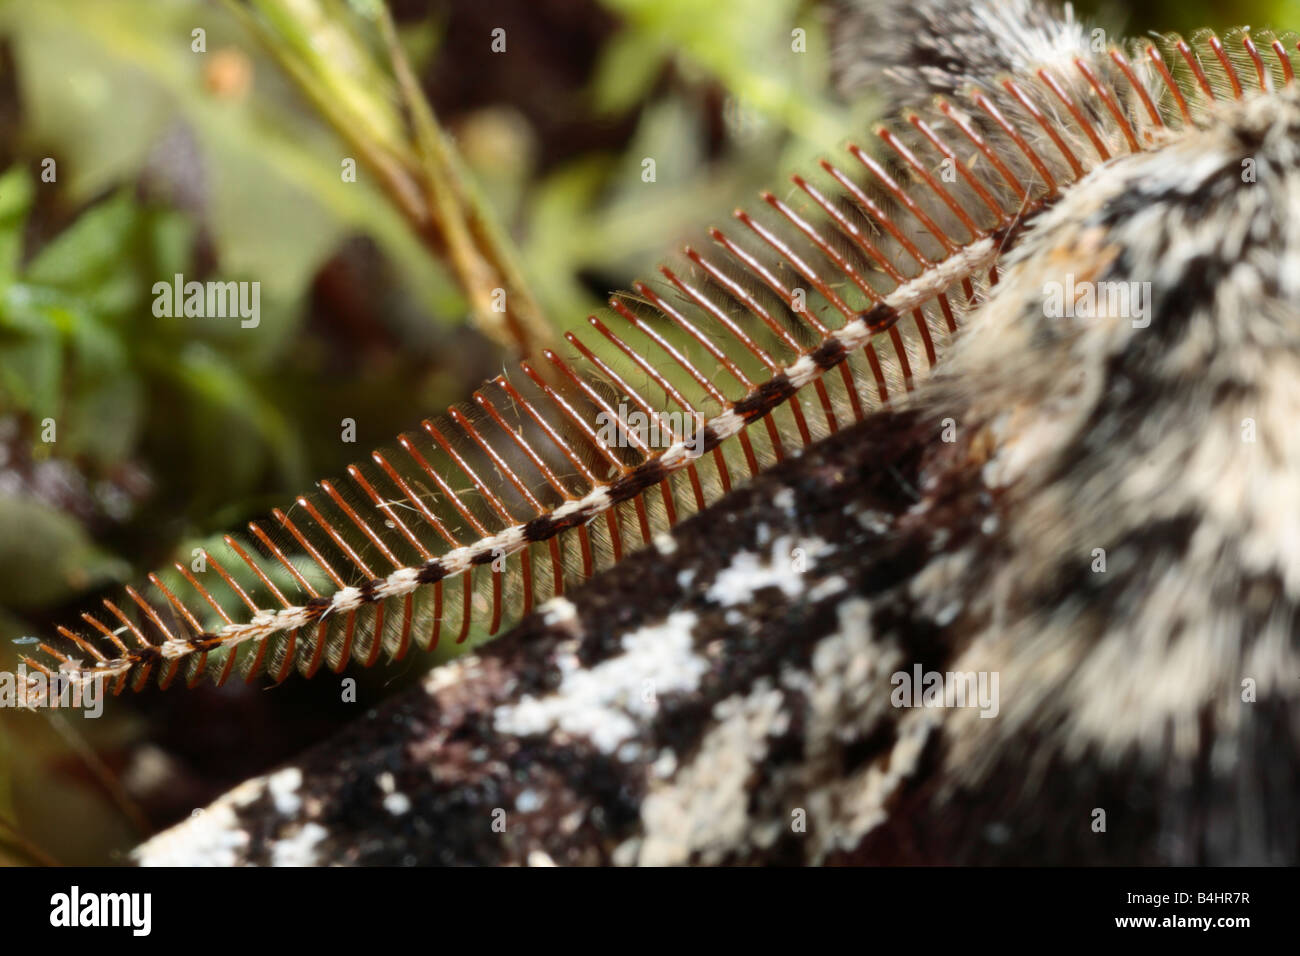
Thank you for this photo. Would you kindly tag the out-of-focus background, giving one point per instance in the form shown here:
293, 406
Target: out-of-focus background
128, 155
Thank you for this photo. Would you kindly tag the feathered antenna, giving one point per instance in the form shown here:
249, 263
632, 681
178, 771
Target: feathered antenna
556, 474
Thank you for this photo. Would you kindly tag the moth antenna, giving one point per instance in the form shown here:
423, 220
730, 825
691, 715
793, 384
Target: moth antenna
987, 105
1261, 73
1027, 104
468, 515
724, 320
1158, 62
627, 434
557, 562
685, 363
942, 147
1049, 79
318, 652
723, 360
566, 449
378, 630
788, 300
882, 261
646, 409
1285, 61
194, 625
1194, 64
1111, 105
82, 643
468, 427
896, 340
763, 315
284, 602
882, 249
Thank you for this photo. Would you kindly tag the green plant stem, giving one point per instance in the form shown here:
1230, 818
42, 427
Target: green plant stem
419, 172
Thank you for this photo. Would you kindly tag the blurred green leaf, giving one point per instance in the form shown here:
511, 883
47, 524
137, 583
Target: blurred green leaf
171, 237
46, 556
15, 200
106, 418
103, 82
749, 48
90, 251
234, 421
31, 363
628, 66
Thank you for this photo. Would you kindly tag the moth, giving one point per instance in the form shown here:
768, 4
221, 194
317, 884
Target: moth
908, 458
